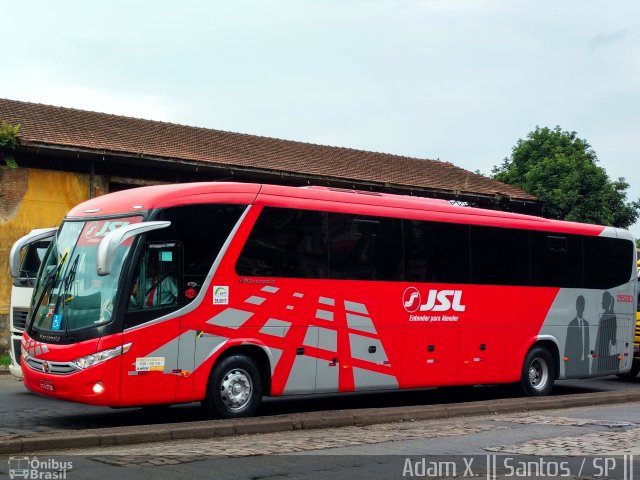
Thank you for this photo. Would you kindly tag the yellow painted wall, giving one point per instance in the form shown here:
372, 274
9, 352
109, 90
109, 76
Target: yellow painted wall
49, 196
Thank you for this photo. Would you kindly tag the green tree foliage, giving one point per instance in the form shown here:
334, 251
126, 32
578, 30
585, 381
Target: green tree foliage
9, 140
9, 135
562, 171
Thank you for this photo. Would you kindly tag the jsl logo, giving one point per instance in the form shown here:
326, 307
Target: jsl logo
437, 300
100, 229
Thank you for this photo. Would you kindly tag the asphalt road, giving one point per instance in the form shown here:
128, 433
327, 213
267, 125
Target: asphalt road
571, 444
22, 412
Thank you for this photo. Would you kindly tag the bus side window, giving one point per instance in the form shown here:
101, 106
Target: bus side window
286, 243
607, 261
156, 283
365, 247
500, 256
556, 260
436, 252
201, 231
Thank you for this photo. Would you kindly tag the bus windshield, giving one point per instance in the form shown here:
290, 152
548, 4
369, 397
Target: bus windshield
69, 294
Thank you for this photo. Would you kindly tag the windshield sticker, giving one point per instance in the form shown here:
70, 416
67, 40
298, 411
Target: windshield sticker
94, 231
220, 295
191, 293
166, 256
150, 364
56, 322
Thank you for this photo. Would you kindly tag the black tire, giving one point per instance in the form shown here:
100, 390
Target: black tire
538, 373
631, 374
234, 389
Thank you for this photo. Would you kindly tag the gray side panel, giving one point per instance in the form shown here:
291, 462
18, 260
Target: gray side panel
327, 301
302, 378
255, 300
327, 339
276, 353
360, 348
358, 322
368, 380
187, 350
207, 345
170, 353
327, 377
324, 315
275, 327
355, 307
311, 337
231, 318
585, 354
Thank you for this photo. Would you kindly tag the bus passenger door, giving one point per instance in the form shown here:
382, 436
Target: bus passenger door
430, 355
151, 372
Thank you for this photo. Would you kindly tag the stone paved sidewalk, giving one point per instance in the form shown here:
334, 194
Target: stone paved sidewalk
279, 443
609, 438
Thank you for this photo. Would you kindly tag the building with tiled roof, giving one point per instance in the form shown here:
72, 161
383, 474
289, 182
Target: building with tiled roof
84, 134
67, 155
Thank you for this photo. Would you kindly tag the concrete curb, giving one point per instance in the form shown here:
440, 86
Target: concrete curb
311, 420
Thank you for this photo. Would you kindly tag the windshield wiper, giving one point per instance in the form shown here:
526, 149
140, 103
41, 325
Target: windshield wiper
68, 281
51, 279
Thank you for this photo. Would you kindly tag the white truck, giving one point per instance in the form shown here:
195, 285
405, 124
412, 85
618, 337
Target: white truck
24, 263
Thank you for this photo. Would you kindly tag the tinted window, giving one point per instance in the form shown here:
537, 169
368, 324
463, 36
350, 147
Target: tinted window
33, 258
436, 252
182, 255
364, 247
556, 260
499, 256
156, 283
201, 230
286, 243
608, 262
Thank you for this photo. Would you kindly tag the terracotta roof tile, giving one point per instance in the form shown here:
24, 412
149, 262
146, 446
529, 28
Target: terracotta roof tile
50, 125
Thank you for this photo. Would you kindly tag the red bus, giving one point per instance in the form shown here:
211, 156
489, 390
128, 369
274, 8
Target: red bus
226, 292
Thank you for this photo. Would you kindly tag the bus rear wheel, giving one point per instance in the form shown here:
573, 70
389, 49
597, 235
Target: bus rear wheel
234, 389
631, 374
537, 373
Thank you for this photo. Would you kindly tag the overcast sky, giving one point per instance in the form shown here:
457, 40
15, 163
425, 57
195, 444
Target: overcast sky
458, 80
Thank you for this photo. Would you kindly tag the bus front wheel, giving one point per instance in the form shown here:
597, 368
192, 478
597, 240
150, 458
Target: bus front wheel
537, 373
234, 389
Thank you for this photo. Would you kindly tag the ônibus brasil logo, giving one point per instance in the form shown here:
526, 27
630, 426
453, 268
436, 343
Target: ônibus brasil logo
437, 300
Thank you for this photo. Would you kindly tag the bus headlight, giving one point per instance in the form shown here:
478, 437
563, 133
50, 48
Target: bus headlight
99, 357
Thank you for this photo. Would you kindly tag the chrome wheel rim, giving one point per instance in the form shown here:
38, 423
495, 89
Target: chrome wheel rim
538, 374
236, 389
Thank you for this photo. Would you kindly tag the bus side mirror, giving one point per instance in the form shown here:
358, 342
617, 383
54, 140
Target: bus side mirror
33, 236
112, 240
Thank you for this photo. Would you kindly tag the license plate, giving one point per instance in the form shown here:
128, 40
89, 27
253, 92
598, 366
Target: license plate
48, 386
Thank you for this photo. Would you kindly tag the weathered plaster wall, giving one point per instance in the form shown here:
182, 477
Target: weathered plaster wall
30, 199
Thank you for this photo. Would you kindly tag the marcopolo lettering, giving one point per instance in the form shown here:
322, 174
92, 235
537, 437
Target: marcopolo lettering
443, 300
